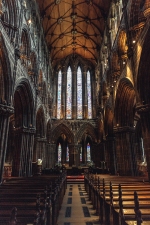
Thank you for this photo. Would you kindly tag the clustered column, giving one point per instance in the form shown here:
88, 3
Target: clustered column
125, 155
5, 112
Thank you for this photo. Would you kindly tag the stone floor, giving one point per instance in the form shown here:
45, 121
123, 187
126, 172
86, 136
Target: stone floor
76, 208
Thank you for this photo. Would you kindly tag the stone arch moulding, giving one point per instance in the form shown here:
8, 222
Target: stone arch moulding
108, 121
143, 79
5, 72
40, 122
124, 110
24, 90
59, 130
88, 129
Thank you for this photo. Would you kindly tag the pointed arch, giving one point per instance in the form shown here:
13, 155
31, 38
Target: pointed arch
6, 83
24, 104
59, 130
125, 104
87, 129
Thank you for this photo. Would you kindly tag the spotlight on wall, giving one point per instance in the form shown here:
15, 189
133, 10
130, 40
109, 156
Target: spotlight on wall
133, 41
124, 62
29, 21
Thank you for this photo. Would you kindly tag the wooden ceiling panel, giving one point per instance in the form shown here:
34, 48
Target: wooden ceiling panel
74, 26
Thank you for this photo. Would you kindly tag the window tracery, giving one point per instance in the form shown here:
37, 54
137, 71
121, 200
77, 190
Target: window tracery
79, 93
59, 95
69, 94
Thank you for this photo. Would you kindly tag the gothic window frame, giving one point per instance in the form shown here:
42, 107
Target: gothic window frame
79, 101
89, 74
67, 74
59, 100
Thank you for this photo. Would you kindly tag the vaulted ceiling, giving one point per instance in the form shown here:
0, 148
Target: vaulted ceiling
74, 26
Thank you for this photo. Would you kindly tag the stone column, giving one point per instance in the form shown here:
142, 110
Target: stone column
71, 154
64, 151
50, 156
125, 155
144, 111
111, 154
24, 141
74, 95
5, 112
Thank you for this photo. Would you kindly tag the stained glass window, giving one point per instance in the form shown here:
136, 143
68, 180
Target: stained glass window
89, 95
69, 94
81, 154
67, 155
59, 95
88, 153
79, 93
59, 152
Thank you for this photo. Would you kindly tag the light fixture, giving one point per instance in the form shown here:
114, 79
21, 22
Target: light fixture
133, 41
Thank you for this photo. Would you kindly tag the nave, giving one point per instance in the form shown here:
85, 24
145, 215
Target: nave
58, 199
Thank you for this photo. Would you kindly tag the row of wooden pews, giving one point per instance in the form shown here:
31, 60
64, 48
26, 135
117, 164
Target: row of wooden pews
33, 200
119, 200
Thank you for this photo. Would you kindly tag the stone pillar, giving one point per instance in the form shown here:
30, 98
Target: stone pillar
71, 154
144, 111
40, 151
24, 141
110, 156
5, 112
50, 156
64, 151
74, 95
85, 99
125, 155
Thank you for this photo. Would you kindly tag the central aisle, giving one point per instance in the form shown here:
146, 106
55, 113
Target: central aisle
76, 208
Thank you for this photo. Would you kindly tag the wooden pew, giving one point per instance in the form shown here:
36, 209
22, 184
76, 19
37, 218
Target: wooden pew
25, 201
105, 198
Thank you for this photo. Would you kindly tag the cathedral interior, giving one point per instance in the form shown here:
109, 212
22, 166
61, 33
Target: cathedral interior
74, 87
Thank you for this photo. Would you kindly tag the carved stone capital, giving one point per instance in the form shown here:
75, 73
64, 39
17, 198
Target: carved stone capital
125, 129
25, 130
143, 108
6, 110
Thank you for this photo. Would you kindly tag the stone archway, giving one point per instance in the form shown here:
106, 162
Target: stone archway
143, 88
86, 134
40, 138
58, 133
24, 129
124, 127
6, 108
109, 151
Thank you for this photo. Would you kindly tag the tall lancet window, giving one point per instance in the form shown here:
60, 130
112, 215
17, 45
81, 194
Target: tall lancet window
79, 93
88, 153
59, 152
89, 95
67, 155
69, 94
59, 95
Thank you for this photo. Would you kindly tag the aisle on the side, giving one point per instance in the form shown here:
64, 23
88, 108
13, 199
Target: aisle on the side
76, 209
